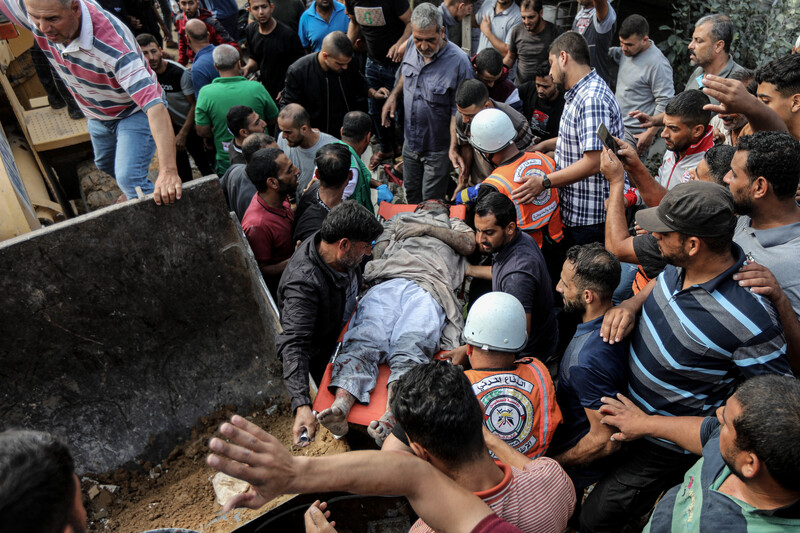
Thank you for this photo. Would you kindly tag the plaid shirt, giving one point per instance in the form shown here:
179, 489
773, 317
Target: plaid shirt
588, 103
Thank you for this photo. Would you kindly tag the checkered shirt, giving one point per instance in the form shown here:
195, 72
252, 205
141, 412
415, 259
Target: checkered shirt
588, 103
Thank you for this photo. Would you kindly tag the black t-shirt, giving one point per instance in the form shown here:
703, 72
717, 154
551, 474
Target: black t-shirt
274, 53
544, 117
380, 24
288, 12
309, 215
649, 255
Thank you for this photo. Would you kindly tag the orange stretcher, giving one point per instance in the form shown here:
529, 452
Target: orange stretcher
361, 414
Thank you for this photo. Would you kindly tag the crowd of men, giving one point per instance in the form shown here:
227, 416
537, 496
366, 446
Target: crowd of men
632, 332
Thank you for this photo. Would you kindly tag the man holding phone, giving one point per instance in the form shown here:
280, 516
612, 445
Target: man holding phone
589, 103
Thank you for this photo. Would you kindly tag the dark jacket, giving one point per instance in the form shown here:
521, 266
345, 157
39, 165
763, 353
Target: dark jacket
327, 96
216, 34
313, 299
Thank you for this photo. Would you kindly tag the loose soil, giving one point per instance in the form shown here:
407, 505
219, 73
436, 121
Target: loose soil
177, 492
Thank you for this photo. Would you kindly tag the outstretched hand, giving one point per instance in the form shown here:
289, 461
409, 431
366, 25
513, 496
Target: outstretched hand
732, 95
625, 416
255, 456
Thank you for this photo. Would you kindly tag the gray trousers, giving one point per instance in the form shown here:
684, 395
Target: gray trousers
425, 175
397, 322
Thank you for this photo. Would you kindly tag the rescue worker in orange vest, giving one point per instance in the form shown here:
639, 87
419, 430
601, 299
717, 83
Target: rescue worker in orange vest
492, 136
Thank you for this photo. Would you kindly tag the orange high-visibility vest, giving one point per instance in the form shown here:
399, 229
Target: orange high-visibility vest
544, 210
640, 280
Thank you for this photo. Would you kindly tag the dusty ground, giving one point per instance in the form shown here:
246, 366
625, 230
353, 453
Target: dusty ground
177, 492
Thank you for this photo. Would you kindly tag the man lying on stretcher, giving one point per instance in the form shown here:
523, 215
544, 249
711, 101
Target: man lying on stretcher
409, 314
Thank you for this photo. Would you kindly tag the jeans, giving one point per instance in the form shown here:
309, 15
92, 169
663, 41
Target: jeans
195, 148
425, 175
397, 323
378, 76
123, 149
625, 288
584, 234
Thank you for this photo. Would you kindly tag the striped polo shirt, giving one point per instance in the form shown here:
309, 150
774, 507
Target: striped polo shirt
537, 499
692, 346
103, 68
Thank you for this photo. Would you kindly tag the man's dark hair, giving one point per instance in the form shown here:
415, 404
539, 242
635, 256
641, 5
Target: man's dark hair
718, 158
333, 165
573, 44
688, 105
783, 73
746, 75
350, 220
261, 166
471, 92
596, 269
435, 405
255, 142
769, 425
542, 70
490, 61
37, 487
356, 125
297, 114
338, 44
634, 25
146, 39
536, 5
776, 156
237, 118
499, 205
721, 29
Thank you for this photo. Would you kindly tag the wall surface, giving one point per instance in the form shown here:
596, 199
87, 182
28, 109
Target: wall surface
120, 328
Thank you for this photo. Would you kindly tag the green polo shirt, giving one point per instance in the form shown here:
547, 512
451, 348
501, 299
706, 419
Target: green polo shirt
218, 97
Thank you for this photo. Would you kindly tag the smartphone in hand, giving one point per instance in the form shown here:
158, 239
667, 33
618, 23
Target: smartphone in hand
607, 139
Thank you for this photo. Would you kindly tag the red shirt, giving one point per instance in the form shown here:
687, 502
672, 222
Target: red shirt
269, 230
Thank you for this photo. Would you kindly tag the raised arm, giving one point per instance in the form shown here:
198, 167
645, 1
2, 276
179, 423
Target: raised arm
618, 239
255, 456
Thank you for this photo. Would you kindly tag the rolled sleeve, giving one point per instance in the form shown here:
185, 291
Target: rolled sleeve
590, 116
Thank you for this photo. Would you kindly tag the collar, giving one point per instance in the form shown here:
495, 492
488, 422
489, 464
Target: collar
85, 40
230, 79
724, 277
590, 326
703, 145
505, 250
235, 147
447, 18
584, 81
209, 48
728, 68
280, 211
791, 511
770, 237
506, 12
336, 8
494, 493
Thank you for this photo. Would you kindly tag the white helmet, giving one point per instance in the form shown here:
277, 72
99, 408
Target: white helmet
496, 322
491, 131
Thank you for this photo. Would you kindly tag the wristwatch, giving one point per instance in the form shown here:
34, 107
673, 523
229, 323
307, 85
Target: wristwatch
546, 183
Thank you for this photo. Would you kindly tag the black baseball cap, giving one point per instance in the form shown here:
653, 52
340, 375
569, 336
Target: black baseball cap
698, 208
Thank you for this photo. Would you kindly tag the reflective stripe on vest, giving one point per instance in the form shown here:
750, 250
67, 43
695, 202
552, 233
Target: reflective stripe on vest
544, 210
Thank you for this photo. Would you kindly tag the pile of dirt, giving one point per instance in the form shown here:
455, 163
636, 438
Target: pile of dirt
177, 492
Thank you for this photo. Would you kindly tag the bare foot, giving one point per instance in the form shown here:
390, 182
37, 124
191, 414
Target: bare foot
380, 429
335, 417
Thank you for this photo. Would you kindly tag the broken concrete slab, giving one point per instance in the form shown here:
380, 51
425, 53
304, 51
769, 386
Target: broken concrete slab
122, 327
